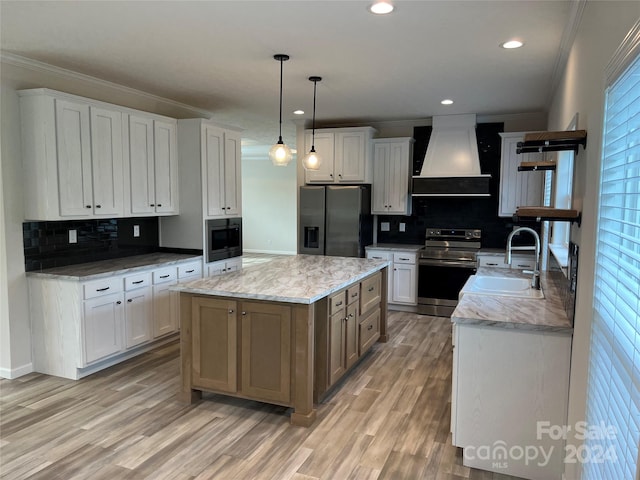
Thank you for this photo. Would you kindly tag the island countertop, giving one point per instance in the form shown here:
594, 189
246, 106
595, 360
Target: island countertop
511, 312
293, 279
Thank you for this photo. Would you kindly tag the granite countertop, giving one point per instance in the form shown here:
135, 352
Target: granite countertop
292, 279
400, 247
116, 266
546, 314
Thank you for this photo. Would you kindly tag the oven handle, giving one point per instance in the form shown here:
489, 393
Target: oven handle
447, 263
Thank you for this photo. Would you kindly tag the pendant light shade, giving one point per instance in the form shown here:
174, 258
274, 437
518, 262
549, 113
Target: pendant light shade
311, 160
280, 154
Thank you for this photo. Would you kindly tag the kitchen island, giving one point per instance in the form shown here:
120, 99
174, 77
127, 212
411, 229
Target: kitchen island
282, 332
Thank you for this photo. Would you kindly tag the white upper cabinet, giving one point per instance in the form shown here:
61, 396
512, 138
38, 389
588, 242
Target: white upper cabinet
72, 153
221, 171
86, 159
345, 155
518, 189
151, 176
391, 160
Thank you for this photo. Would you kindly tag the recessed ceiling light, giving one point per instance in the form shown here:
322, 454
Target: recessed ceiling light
298, 112
446, 101
512, 44
381, 8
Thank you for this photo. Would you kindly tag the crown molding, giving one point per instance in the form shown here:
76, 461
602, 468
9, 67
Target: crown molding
626, 53
37, 66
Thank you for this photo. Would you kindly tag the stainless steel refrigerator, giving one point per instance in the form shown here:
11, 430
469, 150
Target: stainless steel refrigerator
335, 220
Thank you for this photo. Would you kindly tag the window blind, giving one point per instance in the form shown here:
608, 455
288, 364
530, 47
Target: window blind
613, 396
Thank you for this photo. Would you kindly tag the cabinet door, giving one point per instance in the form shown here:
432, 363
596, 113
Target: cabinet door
166, 167
106, 162
232, 183
164, 310
73, 140
337, 344
350, 156
213, 157
215, 326
404, 284
102, 327
351, 322
398, 178
324, 147
379, 200
141, 165
138, 316
266, 351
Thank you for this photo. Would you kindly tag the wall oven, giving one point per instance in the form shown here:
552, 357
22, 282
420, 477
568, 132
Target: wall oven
445, 264
224, 238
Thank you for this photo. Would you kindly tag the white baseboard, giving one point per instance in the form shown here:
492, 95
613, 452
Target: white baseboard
12, 373
272, 252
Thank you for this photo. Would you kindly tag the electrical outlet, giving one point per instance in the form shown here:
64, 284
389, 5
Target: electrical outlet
384, 226
136, 230
403, 227
73, 236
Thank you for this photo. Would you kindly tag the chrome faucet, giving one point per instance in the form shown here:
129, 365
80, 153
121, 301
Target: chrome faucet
535, 280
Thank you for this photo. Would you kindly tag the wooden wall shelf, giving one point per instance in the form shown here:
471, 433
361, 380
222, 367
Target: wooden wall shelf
535, 166
539, 214
553, 141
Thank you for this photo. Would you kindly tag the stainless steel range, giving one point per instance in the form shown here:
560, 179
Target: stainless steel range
445, 264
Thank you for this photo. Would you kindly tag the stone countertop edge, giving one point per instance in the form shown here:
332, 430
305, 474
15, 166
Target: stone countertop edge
400, 247
117, 266
546, 314
249, 291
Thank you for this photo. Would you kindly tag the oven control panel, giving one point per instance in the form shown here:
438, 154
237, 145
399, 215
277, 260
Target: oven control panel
453, 233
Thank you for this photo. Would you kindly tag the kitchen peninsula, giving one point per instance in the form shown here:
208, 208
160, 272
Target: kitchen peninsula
281, 332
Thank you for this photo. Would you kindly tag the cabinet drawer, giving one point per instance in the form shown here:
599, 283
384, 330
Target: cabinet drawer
492, 261
370, 292
523, 262
353, 294
369, 331
379, 255
105, 286
163, 275
190, 269
336, 302
136, 281
404, 257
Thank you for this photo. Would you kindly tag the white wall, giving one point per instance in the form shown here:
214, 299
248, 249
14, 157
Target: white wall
268, 206
581, 90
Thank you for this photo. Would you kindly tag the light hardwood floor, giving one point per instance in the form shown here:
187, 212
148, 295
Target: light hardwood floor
389, 419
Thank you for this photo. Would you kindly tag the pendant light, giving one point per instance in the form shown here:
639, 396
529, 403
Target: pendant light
312, 161
280, 154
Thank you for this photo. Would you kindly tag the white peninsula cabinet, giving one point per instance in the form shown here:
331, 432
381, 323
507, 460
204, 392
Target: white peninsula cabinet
345, 155
517, 189
151, 165
402, 277
80, 327
392, 158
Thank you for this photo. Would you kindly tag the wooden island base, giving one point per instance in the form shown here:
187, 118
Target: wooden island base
287, 354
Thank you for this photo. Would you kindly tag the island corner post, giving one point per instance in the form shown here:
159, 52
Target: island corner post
286, 378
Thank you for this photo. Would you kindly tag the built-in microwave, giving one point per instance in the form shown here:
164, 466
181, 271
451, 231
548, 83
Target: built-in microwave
224, 238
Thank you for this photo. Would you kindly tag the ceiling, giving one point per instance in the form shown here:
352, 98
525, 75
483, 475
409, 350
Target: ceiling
218, 55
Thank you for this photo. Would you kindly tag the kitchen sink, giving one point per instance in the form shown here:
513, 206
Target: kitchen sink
502, 286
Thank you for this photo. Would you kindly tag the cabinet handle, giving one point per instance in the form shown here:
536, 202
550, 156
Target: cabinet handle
390, 206
159, 205
340, 175
370, 327
395, 269
137, 282
189, 271
371, 289
331, 175
231, 310
87, 206
339, 303
224, 269
118, 302
405, 259
524, 266
152, 204
130, 300
102, 289
354, 295
165, 276
244, 313
350, 315
98, 206
492, 264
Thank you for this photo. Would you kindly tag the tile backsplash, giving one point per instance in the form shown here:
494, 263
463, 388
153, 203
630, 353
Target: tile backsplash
46, 244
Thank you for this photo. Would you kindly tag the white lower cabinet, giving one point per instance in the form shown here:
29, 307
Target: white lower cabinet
103, 319
165, 312
517, 261
224, 266
506, 381
402, 275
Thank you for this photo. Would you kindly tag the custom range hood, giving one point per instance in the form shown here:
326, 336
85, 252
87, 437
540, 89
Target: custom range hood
451, 165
